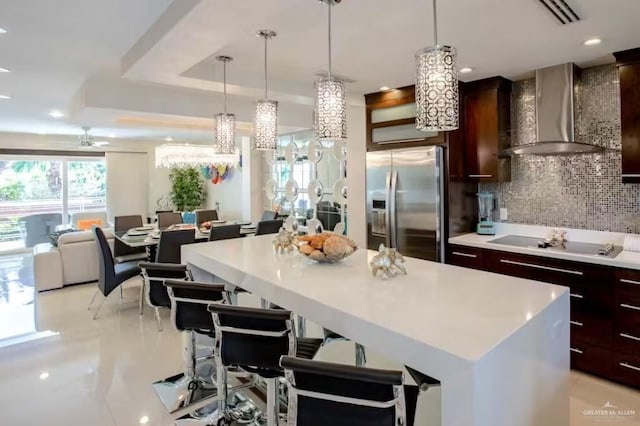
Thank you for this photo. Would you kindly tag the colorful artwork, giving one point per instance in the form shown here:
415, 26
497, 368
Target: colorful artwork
216, 173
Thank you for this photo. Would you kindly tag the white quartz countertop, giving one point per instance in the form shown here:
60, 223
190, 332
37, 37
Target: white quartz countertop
626, 259
458, 311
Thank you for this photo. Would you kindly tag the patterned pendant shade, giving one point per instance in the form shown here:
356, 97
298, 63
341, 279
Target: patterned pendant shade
331, 101
331, 110
436, 89
437, 97
225, 133
265, 120
225, 123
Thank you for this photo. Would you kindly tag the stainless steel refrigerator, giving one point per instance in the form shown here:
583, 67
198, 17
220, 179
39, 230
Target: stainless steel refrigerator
405, 208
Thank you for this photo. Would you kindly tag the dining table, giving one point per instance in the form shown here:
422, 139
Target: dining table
151, 239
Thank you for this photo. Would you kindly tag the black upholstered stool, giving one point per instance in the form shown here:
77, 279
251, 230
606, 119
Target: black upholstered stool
253, 340
193, 388
322, 393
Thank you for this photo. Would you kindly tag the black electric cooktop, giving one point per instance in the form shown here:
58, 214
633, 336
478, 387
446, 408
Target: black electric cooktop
574, 247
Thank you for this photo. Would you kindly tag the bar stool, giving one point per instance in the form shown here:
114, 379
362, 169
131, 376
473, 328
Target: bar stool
193, 388
253, 340
153, 290
322, 393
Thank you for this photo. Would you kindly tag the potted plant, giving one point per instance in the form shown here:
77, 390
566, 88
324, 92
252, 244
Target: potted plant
188, 192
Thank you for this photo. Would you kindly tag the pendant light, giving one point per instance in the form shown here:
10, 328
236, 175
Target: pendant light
331, 102
436, 85
265, 122
225, 123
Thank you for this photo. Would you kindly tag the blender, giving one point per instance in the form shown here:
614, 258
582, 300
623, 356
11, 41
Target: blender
485, 214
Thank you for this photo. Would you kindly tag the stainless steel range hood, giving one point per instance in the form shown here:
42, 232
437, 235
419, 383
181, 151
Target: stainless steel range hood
555, 114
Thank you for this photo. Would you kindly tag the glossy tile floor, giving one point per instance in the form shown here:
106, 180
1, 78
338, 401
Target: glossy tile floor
86, 372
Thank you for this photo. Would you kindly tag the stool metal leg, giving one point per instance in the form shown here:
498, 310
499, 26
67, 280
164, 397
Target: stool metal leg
272, 402
361, 356
302, 326
185, 391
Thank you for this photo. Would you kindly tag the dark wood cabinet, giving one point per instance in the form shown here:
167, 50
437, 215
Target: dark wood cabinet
487, 129
628, 63
468, 257
391, 121
605, 306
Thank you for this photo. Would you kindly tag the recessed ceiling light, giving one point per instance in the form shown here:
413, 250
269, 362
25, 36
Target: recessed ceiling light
42, 132
44, 375
4, 70
592, 41
144, 420
168, 139
385, 88
5, 97
112, 135
56, 114
466, 70
2, 31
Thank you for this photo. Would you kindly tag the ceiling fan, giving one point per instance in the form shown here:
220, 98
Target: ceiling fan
87, 140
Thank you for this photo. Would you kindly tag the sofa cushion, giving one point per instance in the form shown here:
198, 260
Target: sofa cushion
80, 236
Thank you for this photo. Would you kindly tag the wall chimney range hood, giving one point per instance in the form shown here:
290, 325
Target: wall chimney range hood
555, 114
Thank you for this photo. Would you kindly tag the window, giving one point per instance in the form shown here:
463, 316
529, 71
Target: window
38, 194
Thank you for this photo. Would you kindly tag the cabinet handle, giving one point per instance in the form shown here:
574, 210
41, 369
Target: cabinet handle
457, 253
480, 176
578, 351
547, 268
578, 323
576, 295
630, 175
622, 280
635, 308
632, 367
628, 336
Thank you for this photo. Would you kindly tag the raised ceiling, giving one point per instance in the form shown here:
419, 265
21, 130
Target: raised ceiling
104, 61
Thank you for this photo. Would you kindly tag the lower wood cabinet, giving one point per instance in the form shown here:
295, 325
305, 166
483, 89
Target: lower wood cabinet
605, 306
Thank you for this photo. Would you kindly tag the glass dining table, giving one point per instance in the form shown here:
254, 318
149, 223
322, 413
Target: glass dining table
149, 237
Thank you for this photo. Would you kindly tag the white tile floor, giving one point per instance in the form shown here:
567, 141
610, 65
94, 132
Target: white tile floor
100, 372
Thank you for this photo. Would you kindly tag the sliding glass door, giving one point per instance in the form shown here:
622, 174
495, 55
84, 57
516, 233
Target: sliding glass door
38, 194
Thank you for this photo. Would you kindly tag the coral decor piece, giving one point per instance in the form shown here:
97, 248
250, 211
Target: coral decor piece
326, 247
388, 262
284, 241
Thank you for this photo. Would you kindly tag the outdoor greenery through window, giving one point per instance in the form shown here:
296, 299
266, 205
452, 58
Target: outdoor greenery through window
38, 194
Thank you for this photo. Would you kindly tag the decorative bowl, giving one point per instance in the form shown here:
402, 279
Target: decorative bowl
326, 247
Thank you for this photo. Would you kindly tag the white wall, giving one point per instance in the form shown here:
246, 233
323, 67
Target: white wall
127, 184
159, 183
356, 174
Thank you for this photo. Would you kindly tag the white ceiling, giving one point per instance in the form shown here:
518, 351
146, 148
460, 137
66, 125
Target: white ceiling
145, 68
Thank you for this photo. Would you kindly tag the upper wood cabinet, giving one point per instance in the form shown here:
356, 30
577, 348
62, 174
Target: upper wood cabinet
628, 63
487, 129
391, 121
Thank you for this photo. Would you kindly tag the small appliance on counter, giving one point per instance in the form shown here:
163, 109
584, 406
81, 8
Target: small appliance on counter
486, 226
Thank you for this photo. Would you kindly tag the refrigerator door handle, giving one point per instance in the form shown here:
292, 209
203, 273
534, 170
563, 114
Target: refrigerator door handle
387, 215
392, 209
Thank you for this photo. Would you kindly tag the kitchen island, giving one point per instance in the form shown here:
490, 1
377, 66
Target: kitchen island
498, 344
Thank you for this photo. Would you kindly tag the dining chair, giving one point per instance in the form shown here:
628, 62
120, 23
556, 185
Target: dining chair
111, 275
225, 232
171, 242
269, 215
205, 216
268, 226
122, 252
167, 219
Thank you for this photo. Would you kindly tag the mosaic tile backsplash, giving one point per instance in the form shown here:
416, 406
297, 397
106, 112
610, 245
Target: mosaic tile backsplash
574, 191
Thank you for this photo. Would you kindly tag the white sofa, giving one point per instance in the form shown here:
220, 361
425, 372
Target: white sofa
74, 261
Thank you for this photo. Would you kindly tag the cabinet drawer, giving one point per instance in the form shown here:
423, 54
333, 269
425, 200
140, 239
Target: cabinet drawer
628, 287
468, 257
592, 328
627, 341
626, 369
590, 284
591, 358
